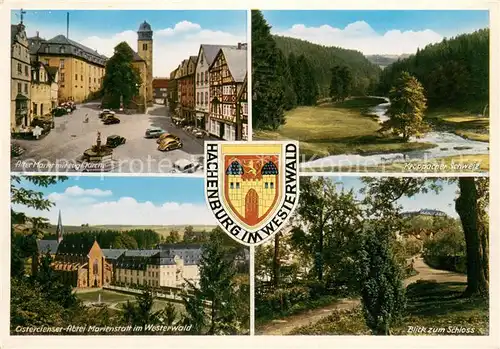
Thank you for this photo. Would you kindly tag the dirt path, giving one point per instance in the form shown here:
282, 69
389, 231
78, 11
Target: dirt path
427, 273
288, 324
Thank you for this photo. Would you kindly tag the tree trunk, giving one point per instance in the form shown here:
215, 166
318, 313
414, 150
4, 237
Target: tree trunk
276, 261
467, 208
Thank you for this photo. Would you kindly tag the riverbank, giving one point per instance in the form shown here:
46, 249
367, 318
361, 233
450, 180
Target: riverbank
339, 128
461, 123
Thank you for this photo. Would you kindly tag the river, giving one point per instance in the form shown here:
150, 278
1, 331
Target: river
446, 144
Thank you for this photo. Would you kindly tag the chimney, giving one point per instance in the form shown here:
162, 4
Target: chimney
67, 25
239, 45
37, 34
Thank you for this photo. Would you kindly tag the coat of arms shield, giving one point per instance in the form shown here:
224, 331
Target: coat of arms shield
251, 187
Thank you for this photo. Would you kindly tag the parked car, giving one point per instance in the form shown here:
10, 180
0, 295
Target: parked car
167, 136
106, 112
169, 144
198, 133
111, 119
154, 132
114, 140
185, 166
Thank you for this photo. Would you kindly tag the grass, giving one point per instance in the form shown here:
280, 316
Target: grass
338, 128
111, 297
462, 123
434, 308
450, 164
106, 296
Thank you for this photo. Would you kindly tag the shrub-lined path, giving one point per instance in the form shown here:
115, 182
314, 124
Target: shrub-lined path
288, 324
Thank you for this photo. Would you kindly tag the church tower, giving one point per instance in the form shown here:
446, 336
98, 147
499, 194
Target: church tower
145, 51
59, 229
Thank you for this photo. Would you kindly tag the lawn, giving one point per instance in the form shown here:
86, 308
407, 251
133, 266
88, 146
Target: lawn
111, 297
433, 308
338, 128
106, 296
464, 124
450, 164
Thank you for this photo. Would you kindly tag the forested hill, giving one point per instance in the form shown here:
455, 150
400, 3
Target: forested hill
322, 59
454, 72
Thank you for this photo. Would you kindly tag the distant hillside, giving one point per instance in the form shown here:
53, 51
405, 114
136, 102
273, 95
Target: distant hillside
384, 60
454, 72
163, 230
323, 59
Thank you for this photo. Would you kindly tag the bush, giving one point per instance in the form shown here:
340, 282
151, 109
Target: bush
382, 291
446, 250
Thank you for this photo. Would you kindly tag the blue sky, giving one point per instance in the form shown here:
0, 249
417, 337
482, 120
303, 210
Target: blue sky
177, 34
170, 200
444, 22
126, 200
113, 21
443, 201
376, 31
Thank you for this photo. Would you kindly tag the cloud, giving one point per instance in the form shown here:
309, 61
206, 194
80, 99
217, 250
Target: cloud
170, 45
361, 36
77, 210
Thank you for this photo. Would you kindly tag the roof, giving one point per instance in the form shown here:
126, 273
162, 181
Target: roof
47, 246
34, 44
140, 253
135, 55
53, 46
52, 71
113, 253
21, 97
144, 27
210, 51
236, 61
77, 247
160, 82
14, 30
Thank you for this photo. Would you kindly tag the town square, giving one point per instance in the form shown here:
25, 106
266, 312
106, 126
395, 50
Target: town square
142, 101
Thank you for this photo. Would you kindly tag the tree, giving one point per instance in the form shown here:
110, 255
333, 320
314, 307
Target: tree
382, 291
267, 84
24, 246
468, 208
121, 79
408, 104
173, 237
341, 83
329, 219
346, 78
216, 287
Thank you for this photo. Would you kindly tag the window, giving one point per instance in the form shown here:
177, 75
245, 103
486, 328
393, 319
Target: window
145, 47
206, 97
94, 80
76, 77
61, 63
61, 49
26, 88
201, 79
197, 78
81, 77
231, 186
237, 185
90, 80
271, 184
26, 71
35, 109
267, 185
19, 68
62, 78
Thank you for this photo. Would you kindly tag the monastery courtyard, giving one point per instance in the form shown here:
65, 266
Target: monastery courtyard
72, 136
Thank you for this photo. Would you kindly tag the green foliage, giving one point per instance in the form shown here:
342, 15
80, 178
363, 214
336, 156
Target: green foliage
121, 78
322, 59
446, 250
341, 83
408, 105
217, 286
454, 71
267, 83
381, 283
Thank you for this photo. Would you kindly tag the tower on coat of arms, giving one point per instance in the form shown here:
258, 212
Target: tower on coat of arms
251, 187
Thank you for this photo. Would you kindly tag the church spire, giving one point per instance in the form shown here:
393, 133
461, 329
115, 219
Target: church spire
59, 228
